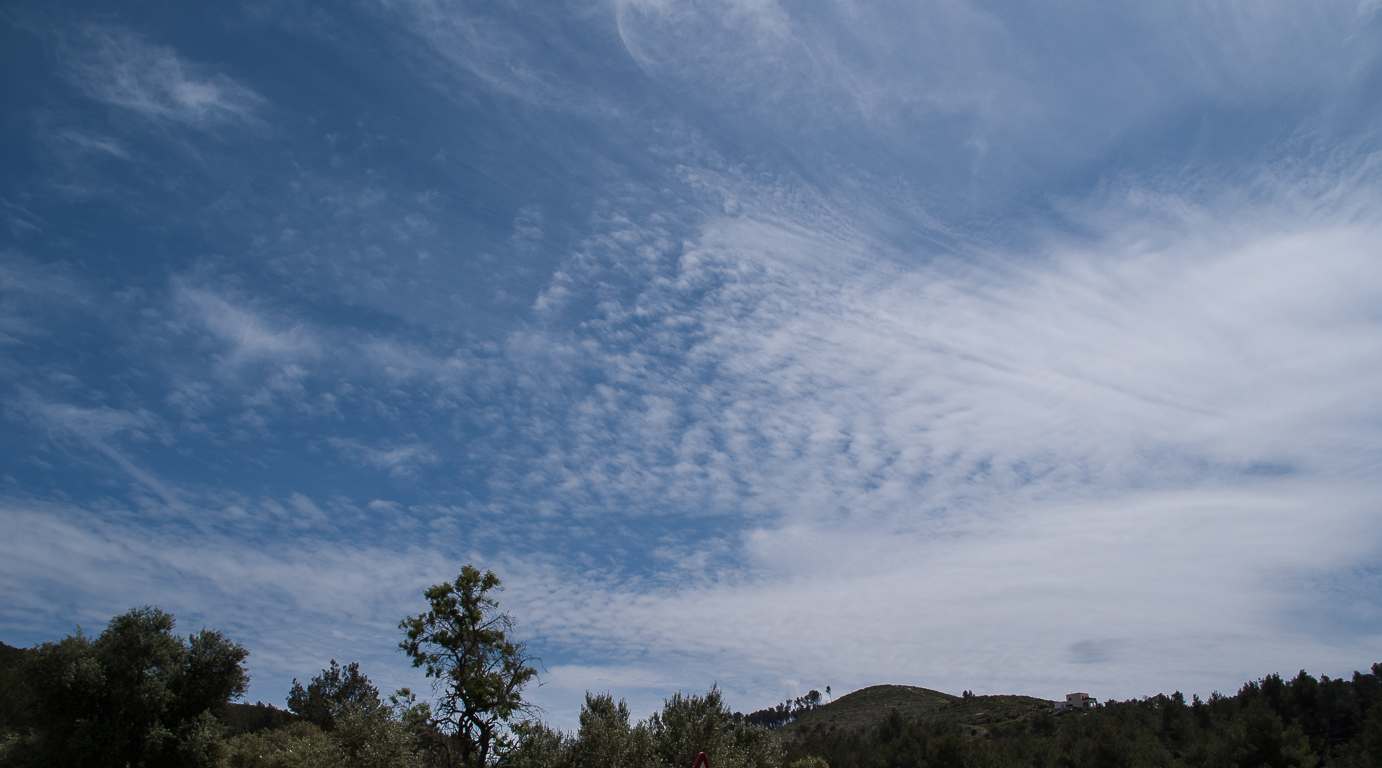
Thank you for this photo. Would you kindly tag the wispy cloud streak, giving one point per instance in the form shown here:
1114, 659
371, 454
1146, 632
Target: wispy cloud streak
121, 68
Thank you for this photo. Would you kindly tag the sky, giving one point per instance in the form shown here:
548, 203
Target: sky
1001, 346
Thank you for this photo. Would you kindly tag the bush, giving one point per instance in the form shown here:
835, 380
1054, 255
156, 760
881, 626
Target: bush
362, 736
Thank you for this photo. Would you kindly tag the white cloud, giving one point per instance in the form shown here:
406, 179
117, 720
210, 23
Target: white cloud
121, 68
1121, 595
1035, 89
1195, 590
247, 336
1183, 341
87, 142
397, 460
102, 430
1123, 463
29, 288
487, 48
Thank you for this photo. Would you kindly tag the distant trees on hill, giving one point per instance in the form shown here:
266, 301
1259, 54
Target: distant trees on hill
1303, 722
784, 713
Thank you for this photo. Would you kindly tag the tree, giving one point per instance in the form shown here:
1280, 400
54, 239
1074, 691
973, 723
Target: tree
691, 724
328, 695
1260, 741
136, 695
604, 738
537, 746
478, 672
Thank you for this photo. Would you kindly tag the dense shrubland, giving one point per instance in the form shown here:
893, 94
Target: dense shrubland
138, 695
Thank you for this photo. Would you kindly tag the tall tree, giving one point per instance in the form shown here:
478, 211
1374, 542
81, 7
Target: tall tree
463, 643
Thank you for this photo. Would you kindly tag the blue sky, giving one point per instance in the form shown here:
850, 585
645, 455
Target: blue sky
1012, 347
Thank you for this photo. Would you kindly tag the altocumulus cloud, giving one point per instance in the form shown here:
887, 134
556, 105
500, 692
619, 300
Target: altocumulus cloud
1143, 449
961, 346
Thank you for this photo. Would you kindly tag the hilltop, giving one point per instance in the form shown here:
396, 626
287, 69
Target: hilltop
864, 708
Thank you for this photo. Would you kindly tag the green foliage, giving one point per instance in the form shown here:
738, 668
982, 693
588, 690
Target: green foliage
691, 724
536, 746
463, 643
787, 711
752, 746
364, 735
686, 726
375, 737
136, 695
300, 745
252, 718
331, 693
605, 736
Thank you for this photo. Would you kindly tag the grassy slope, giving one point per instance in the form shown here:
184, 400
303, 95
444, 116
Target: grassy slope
863, 709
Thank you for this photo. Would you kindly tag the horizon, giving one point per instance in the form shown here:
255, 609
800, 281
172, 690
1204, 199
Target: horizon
968, 345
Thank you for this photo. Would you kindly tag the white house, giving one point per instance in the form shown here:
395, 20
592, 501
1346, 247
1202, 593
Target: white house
1076, 701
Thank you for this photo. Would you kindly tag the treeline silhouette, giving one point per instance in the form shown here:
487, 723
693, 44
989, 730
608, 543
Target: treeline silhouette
784, 713
139, 695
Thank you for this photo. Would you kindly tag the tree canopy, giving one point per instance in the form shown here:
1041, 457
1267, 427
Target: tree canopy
478, 672
330, 693
136, 695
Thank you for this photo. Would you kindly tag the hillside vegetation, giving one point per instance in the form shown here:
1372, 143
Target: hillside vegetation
863, 709
866, 706
1302, 722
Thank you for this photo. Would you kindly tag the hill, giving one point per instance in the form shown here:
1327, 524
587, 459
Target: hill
864, 708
